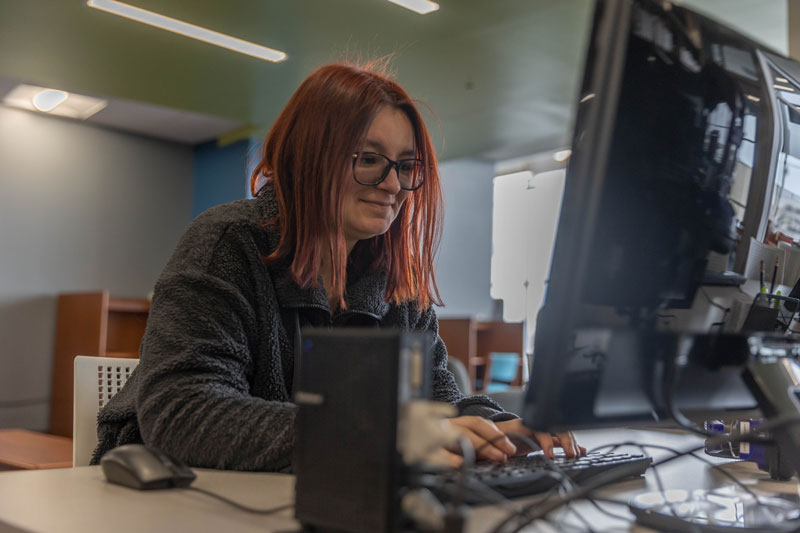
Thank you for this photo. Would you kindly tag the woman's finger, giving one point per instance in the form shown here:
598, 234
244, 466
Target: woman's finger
487, 440
567, 442
446, 458
489, 431
545, 440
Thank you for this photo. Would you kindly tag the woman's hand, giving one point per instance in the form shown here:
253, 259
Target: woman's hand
546, 441
496, 441
488, 441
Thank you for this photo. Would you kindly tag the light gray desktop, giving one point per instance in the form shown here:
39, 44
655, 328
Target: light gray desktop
79, 499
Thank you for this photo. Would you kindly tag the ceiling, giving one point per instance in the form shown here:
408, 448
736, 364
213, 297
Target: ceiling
500, 77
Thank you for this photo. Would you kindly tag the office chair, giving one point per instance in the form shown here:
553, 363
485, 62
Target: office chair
460, 374
502, 370
97, 379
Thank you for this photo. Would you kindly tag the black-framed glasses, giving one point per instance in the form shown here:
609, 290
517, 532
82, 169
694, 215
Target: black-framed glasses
371, 168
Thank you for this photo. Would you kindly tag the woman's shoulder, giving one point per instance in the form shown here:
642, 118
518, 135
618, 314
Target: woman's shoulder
235, 225
410, 315
238, 213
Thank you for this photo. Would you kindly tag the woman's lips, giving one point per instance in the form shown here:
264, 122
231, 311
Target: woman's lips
378, 203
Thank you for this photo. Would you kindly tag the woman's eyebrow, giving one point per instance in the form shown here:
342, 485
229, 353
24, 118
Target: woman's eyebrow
374, 145
378, 147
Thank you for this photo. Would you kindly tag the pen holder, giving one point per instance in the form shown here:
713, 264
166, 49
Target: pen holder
770, 312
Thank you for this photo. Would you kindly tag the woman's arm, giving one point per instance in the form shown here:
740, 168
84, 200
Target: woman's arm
198, 355
480, 418
193, 400
444, 385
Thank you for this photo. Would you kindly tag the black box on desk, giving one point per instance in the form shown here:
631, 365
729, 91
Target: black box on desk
349, 386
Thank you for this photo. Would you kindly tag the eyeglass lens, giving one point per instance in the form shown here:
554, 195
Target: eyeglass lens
371, 168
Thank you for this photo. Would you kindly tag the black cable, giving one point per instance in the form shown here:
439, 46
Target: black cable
554, 471
465, 485
751, 436
607, 477
713, 303
739, 288
663, 491
594, 501
468, 453
668, 393
725, 311
240, 506
589, 485
580, 517
776, 423
563, 480
480, 448
707, 461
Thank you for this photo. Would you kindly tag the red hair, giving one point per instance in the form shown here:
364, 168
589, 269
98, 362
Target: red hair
307, 158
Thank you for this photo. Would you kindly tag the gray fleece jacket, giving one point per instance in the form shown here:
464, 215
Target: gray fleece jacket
214, 383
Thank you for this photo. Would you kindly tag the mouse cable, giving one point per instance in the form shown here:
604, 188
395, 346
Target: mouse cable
242, 506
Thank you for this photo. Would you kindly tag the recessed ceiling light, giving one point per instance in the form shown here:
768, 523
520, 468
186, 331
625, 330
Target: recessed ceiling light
562, 155
48, 99
418, 6
53, 101
188, 30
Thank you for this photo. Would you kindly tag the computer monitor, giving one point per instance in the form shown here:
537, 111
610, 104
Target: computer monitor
673, 151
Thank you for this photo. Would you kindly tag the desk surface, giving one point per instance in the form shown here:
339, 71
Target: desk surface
23, 449
79, 499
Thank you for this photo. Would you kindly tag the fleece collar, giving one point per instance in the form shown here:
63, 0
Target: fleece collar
363, 293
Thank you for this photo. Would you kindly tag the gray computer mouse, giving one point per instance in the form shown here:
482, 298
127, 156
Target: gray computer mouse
143, 468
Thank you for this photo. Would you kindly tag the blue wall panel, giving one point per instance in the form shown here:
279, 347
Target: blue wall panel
220, 174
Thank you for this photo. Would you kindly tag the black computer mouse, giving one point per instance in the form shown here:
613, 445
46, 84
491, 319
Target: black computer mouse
143, 468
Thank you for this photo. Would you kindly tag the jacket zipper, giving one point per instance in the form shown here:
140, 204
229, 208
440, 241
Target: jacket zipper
333, 319
337, 317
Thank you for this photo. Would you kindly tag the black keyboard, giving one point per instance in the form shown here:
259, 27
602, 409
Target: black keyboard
534, 474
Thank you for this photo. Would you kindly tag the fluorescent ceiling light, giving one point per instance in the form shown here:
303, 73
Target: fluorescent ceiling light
187, 30
48, 99
419, 6
562, 155
753, 98
783, 88
53, 101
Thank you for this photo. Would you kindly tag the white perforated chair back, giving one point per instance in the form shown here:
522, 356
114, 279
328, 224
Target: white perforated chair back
97, 380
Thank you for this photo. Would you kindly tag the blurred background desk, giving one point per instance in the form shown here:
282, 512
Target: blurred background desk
473, 341
79, 499
21, 449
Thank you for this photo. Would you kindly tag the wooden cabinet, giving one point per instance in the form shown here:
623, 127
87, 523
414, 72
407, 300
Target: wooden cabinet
91, 324
471, 341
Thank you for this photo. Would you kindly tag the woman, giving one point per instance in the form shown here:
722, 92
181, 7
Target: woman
342, 233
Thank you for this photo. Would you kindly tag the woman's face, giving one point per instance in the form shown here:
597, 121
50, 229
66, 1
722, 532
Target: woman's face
369, 210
